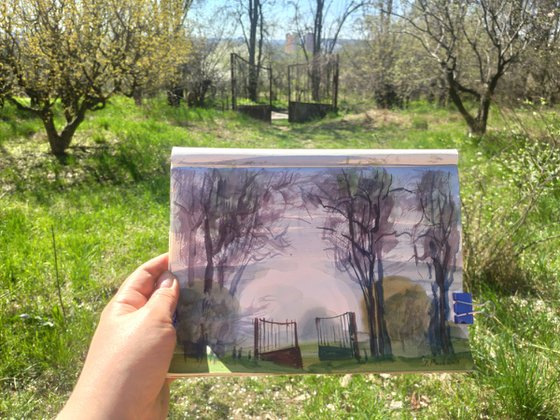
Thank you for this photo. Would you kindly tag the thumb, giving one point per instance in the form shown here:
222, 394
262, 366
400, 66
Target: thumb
164, 300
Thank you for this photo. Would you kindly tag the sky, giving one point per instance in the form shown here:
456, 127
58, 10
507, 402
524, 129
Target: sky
278, 14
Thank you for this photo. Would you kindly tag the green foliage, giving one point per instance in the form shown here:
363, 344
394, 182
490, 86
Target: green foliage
510, 207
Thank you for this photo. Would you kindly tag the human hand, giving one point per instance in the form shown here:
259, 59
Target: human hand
124, 372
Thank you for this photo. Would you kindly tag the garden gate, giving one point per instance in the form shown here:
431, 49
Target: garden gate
251, 88
313, 88
338, 337
277, 342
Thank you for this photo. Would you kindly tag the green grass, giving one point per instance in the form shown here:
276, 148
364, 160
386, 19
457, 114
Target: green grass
108, 206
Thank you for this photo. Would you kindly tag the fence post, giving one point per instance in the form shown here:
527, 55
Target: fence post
335, 85
233, 82
354, 335
270, 86
256, 338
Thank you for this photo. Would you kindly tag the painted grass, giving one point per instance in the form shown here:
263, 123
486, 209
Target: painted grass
462, 361
108, 206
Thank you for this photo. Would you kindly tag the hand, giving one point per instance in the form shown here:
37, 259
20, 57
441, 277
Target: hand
124, 372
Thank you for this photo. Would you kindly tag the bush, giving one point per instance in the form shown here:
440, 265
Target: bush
508, 198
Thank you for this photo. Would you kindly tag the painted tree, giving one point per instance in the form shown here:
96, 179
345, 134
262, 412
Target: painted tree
235, 218
409, 320
188, 218
438, 234
76, 54
359, 230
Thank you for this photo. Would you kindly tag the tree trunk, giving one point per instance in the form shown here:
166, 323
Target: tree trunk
191, 258
221, 275
316, 58
137, 96
385, 348
458, 102
371, 315
252, 87
59, 142
477, 125
254, 9
209, 271
316, 79
442, 327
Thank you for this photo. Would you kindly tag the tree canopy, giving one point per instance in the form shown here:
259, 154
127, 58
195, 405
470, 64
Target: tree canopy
77, 53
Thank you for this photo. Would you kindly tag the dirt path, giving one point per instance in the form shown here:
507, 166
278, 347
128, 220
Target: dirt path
279, 116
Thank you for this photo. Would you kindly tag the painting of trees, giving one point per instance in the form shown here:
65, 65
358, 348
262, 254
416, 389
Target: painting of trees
438, 234
189, 213
359, 250
231, 218
224, 219
359, 231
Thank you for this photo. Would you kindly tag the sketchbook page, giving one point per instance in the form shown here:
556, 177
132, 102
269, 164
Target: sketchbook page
316, 261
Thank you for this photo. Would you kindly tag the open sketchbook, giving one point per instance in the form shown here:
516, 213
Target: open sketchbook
316, 261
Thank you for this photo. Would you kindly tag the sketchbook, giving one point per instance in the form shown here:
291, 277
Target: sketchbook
316, 261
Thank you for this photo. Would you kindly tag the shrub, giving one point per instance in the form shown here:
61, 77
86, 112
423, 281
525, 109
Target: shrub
508, 198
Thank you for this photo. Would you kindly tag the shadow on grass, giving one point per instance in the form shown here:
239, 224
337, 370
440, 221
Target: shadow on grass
40, 175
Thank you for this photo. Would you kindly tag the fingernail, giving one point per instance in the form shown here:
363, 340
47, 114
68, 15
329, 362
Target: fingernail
165, 280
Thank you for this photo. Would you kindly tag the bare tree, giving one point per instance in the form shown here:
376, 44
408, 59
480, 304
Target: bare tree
254, 37
474, 43
204, 72
438, 233
189, 214
328, 19
382, 42
358, 227
542, 80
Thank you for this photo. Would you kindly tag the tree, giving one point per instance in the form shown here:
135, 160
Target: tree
190, 215
76, 54
474, 43
439, 236
254, 37
409, 320
233, 216
202, 71
383, 43
358, 227
541, 76
329, 17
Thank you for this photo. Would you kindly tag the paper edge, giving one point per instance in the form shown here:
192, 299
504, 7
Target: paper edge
223, 157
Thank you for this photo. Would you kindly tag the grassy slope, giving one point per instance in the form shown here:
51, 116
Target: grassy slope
108, 207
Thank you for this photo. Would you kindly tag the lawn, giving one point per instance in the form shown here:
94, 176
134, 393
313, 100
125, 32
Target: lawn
71, 231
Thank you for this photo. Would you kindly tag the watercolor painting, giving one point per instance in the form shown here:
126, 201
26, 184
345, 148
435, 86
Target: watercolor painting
316, 261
